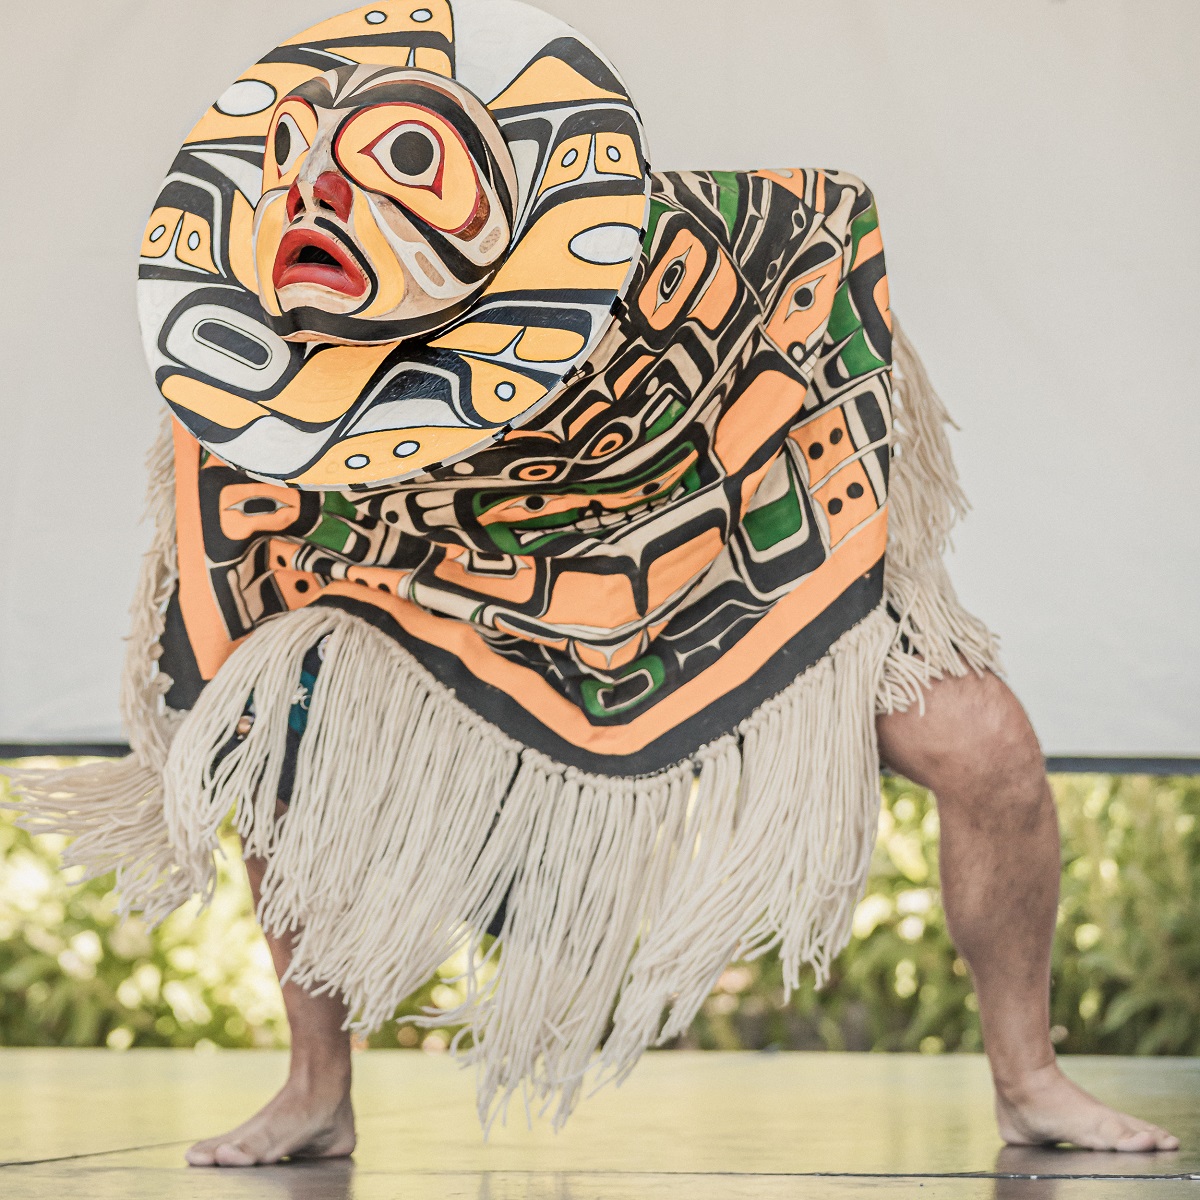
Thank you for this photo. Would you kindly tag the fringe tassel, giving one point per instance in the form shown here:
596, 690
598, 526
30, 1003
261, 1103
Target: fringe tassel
413, 824
114, 810
934, 636
773, 852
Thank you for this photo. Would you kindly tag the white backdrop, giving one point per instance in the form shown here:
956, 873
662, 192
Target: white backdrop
1036, 164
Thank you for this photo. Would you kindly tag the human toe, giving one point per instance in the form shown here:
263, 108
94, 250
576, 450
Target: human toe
234, 1154
1147, 1138
202, 1154
1128, 1135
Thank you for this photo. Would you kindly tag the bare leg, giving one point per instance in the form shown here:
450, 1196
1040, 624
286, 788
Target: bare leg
311, 1117
975, 749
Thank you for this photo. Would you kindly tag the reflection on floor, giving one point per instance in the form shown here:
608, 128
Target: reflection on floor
102, 1125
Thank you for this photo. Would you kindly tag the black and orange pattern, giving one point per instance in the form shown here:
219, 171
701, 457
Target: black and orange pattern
671, 540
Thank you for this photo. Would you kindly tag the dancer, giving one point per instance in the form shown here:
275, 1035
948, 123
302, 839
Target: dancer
548, 552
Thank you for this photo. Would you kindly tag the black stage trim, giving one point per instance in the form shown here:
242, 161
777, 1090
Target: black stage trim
1085, 764
1074, 765
63, 750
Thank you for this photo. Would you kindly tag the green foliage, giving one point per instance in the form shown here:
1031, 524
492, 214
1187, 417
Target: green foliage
1126, 954
1127, 970
1126, 962
72, 974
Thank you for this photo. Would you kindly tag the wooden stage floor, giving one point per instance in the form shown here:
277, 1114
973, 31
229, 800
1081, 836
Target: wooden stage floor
101, 1125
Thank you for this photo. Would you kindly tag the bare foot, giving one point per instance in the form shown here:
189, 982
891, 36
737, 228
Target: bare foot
1046, 1108
305, 1120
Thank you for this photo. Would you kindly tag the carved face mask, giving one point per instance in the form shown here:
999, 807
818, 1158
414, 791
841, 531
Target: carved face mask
392, 240
388, 203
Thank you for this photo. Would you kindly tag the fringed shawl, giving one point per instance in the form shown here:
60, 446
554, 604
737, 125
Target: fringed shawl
607, 688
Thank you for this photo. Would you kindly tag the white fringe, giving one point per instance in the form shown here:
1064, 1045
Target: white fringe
925, 502
413, 822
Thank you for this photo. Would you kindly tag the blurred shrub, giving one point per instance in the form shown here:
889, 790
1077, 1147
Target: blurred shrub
1126, 963
1126, 955
71, 974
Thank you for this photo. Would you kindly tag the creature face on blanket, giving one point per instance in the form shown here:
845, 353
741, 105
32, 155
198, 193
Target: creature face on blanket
537, 539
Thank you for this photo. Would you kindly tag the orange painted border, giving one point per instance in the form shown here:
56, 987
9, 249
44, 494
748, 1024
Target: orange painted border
811, 597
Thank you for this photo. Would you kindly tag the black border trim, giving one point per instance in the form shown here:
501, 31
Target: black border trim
795, 657
63, 750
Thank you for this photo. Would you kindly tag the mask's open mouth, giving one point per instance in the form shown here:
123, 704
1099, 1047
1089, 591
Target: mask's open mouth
310, 256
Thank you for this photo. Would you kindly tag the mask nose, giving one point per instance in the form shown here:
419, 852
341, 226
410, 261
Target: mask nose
329, 191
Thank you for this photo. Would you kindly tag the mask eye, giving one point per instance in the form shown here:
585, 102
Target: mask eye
410, 154
416, 158
289, 144
257, 506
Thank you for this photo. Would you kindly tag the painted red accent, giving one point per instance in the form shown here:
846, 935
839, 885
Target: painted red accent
347, 277
332, 189
295, 202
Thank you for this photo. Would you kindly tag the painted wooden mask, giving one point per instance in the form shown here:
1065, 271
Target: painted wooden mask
393, 240
388, 203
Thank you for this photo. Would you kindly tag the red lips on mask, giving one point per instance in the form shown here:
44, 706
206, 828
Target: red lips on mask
310, 256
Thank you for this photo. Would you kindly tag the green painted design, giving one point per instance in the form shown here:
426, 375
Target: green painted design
728, 193
604, 699
859, 359
668, 417
505, 540
775, 522
338, 506
864, 223
845, 326
843, 320
332, 533
557, 525
561, 523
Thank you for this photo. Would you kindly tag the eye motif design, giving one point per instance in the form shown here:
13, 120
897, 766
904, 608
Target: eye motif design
290, 144
672, 277
289, 139
411, 154
804, 297
250, 510
257, 506
389, 199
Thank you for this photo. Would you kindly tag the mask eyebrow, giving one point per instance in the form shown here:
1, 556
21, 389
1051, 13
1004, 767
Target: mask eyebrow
315, 91
393, 92
433, 100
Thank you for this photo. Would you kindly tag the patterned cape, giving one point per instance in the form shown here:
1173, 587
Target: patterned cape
583, 641
687, 528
